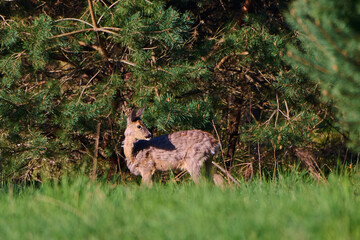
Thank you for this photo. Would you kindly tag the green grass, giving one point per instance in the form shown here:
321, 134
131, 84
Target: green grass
293, 207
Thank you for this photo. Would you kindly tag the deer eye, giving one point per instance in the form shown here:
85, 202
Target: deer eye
138, 126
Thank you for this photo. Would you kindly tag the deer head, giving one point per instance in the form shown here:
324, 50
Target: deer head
136, 129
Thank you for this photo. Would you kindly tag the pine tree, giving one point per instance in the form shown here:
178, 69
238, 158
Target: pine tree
71, 71
67, 81
330, 55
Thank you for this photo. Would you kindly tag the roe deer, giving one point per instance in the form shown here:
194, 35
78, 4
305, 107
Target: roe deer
180, 150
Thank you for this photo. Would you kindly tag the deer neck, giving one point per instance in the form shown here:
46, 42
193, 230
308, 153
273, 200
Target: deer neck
129, 147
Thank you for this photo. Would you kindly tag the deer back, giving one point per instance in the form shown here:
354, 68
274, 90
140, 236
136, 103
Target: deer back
176, 149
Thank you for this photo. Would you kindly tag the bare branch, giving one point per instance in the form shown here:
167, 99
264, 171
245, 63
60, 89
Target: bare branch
93, 19
75, 19
96, 151
226, 173
82, 92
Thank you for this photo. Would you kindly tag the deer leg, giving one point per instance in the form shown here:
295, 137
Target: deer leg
195, 171
208, 169
195, 177
146, 179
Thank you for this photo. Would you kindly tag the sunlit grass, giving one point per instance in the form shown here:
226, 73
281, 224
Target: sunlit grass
293, 207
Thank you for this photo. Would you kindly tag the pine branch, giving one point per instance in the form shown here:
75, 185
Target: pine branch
14, 104
332, 42
93, 19
308, 33
112, 5
238, 23
305, 62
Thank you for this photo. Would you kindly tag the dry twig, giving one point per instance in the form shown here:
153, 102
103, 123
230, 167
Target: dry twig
96, 151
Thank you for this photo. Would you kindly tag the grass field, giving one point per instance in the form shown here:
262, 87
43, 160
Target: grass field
293, 207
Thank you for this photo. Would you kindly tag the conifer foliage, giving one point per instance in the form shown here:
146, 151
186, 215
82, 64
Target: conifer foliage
70, 71
330, 55
66, 81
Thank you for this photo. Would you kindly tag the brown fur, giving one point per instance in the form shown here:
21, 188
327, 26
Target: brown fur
180, 150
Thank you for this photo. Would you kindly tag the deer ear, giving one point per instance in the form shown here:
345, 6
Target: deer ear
140, 112
132, 116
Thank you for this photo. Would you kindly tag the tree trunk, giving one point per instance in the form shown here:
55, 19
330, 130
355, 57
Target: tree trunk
234, 115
